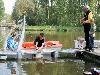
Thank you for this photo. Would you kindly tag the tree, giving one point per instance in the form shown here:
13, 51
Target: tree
53, 12
1, 9
21, 8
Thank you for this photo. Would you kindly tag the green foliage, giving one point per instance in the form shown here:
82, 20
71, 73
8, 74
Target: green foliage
1, 9
54, 12
22, 7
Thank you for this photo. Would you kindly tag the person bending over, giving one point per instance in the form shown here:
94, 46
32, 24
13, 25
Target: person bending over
39, 42
11, 43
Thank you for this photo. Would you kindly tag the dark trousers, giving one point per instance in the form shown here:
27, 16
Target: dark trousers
91, 39
86, 31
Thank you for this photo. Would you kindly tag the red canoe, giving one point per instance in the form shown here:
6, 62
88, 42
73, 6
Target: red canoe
48, 44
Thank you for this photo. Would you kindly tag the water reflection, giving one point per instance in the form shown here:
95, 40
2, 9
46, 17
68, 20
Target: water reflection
90, 65
54, 68
8, 68
39, 69
60, 67
11, 66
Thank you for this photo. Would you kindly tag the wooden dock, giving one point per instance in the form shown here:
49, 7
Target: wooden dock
53, 53
81, 54
89, 56
29, 53
92, 56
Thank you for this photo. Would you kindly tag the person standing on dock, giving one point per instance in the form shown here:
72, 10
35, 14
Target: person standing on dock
39, 42
87, 21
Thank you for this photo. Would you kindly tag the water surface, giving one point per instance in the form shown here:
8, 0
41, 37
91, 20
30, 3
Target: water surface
58, 67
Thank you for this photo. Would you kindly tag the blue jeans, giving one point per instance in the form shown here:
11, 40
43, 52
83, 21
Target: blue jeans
91, 41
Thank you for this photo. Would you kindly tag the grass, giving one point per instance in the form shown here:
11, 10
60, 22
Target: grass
53, 28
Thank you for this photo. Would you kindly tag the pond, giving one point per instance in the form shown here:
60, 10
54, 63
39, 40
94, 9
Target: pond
66, 38
59, 67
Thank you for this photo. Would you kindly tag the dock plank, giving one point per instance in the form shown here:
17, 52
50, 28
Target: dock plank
29, 53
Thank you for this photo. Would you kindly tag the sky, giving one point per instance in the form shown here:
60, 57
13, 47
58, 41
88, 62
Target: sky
8, 4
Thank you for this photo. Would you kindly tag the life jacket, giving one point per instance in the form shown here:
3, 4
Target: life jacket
86, 15
87, 26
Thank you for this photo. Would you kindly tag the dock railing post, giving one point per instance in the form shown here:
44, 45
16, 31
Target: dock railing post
19, 53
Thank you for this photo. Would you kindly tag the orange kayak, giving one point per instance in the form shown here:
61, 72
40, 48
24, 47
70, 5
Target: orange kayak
48, 44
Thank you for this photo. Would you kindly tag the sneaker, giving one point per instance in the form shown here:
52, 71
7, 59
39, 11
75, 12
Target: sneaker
87, 49
92, 49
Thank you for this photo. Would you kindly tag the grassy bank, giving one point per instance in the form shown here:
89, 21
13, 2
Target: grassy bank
53, 28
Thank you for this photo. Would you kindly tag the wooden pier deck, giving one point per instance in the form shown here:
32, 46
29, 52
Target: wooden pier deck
92, 56
29, 54
82, 54
53, 53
